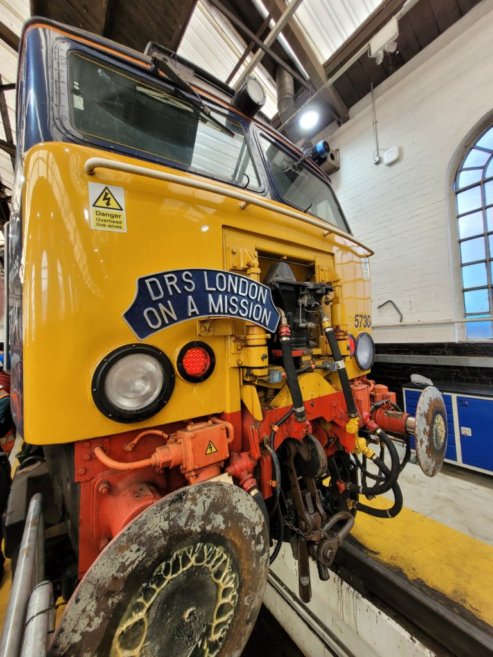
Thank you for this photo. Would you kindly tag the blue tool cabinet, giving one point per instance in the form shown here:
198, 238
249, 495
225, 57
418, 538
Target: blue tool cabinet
470, 422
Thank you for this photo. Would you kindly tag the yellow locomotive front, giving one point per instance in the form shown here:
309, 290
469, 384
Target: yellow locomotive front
189, 341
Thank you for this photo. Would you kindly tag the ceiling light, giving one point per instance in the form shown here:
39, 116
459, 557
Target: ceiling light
308, 120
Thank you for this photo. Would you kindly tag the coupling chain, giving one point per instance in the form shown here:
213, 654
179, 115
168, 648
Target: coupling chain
315, 536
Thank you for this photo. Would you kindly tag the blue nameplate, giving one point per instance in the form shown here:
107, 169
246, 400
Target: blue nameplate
169, 297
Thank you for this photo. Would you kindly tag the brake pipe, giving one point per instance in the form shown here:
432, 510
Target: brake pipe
390, 475
290, 369
241, 468
121, 465
129, 447
276, 483
394, 510
341, 367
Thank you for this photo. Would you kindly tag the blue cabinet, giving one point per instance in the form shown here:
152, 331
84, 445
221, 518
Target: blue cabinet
469, 419
475, 415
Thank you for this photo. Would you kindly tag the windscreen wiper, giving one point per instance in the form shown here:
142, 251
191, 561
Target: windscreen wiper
185, 90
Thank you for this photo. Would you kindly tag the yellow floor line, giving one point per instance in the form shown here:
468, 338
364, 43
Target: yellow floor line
5, 591
457, 565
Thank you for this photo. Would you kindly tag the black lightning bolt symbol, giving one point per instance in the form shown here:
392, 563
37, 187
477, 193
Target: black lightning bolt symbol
106, 198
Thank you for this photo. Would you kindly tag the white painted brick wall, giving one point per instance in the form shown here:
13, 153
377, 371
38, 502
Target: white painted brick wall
405, 211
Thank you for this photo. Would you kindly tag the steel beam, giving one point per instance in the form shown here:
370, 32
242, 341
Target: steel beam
310, 62
268, 51
271, 37
10, 38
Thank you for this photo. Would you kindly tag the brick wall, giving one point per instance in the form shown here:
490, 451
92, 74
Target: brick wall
430, 109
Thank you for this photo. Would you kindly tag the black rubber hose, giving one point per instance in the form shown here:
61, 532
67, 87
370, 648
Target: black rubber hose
407, 455
385, 513
278, 424
341, 371
280, 539
390, 475
277, 476
257, 496
292, 379
365, 472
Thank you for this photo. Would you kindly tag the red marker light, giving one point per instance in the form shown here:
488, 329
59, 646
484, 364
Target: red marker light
196, 362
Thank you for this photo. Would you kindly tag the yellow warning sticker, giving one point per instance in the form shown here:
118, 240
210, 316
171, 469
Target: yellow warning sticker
211, 448
107, 207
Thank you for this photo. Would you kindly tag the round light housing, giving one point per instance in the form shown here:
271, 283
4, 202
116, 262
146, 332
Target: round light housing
196, 362
365, 351
133, 383
309, 119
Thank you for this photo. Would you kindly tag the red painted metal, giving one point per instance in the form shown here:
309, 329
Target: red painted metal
361, 394
110, 498
390, 420
5, 381
113, 492
241, 468
382, 393
266, 482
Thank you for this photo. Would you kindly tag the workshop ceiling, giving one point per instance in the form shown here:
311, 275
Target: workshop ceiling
324, 44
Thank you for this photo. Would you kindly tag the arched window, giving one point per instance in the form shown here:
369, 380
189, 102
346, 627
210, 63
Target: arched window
474, 203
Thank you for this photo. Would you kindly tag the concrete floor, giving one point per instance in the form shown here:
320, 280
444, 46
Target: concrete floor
459, 498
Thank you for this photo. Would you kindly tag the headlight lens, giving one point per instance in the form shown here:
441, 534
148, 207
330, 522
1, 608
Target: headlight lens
365, 351
133, 383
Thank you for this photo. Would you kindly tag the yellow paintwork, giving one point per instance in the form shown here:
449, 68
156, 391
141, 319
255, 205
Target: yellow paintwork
361, 446
445, 559
352, 425
79, 281
312, 385
249, 396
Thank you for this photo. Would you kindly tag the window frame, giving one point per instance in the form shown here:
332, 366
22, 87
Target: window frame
309, 166
483, 215
62, 117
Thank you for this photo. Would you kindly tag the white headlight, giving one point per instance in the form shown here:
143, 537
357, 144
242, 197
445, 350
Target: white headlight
365, 351
133, 382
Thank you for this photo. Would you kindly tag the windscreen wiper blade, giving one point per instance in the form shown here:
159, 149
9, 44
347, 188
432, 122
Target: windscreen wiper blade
186, 91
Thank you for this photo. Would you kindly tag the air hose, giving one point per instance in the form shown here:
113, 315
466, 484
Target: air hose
257, 496
280, 538
384, 513
290, 369
277, 475
341, 367
391, 478
390, 475
386, 482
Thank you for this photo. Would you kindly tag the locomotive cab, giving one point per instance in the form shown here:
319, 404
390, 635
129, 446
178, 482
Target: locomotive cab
189, 340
